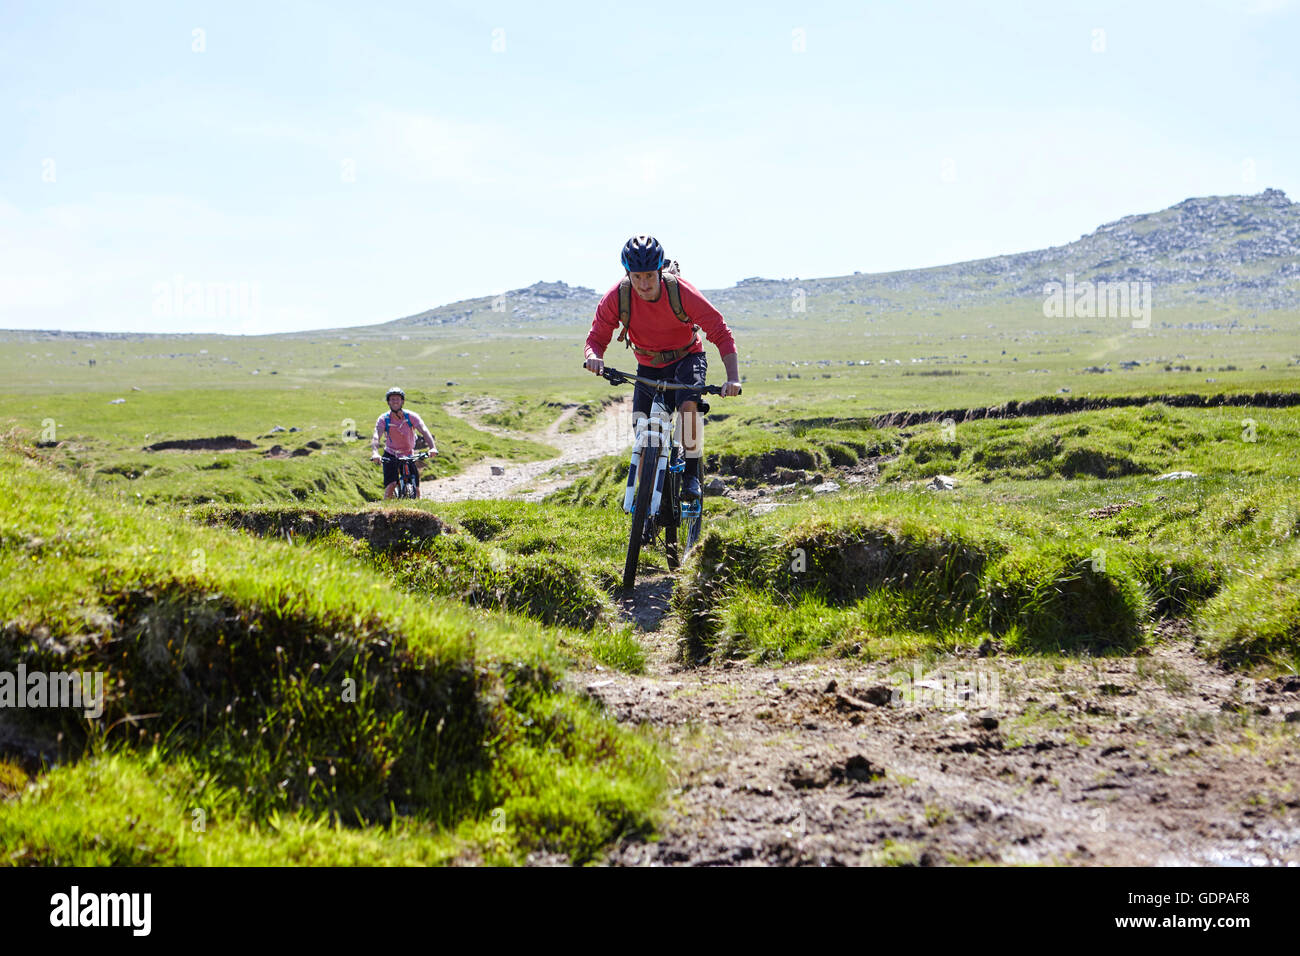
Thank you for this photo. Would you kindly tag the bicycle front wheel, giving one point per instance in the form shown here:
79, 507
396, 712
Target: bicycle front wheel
649, 465
693, 531
667, 518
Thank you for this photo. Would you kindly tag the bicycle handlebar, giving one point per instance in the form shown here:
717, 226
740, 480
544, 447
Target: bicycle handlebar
418, 457
615, 377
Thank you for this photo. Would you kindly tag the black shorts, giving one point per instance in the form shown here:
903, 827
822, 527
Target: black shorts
391, 474
687, 370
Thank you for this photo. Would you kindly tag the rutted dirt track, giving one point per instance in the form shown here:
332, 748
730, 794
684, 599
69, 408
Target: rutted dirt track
1156, 759
1153, 760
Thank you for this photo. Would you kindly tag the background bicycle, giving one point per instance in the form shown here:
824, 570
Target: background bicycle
408, 473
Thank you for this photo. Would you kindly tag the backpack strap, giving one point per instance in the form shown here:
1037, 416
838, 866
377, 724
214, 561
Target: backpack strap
674, 301
388, 421
675, 298
625, 309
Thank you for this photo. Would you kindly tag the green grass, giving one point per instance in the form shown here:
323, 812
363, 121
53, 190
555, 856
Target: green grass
105, 444
555, 565
1114, 443
301, 681
894, 573
1255, 620
1058, 598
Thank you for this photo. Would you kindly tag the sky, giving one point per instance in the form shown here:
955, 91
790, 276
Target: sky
284, 165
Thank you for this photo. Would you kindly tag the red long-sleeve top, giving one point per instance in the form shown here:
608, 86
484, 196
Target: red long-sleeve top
654, 326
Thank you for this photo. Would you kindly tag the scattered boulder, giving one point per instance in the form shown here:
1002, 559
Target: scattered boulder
941, 483
118, 401
766, 507
825, 487
498, 470
1175, 476
715, 486
277, 428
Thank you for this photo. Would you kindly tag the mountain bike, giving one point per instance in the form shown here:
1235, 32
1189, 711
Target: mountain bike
408, 476
654, 478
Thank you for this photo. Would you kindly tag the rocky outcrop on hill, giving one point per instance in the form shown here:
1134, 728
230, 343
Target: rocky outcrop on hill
1240, 250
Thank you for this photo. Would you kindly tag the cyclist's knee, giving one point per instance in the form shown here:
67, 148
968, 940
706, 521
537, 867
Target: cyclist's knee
692, 432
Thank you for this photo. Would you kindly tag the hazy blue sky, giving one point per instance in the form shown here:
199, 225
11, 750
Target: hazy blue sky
353, 163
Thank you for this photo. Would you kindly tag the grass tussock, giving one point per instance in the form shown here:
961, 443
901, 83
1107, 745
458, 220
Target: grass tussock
888, 577
1255, 620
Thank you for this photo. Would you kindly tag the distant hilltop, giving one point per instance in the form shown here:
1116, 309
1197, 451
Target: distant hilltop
1244, 250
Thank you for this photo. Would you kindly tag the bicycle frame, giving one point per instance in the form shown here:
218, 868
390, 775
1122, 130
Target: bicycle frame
653, 494
408, 476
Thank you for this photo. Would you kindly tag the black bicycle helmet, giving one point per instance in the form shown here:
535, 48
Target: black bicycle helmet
643, 254
394, 391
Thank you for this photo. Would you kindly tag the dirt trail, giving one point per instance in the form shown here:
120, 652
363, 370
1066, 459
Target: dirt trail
1152, 760
610, 433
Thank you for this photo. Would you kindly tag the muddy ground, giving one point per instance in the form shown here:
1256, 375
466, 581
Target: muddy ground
1158, 759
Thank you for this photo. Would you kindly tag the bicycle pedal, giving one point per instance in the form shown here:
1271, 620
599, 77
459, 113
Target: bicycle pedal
692, 509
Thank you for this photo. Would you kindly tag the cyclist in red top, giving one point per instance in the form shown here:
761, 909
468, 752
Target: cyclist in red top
396, 430
666, 347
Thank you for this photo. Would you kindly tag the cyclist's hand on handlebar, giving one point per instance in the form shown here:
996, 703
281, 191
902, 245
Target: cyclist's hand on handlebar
730, 389
594, 365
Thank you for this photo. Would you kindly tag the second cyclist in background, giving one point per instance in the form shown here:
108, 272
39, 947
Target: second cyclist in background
395, 432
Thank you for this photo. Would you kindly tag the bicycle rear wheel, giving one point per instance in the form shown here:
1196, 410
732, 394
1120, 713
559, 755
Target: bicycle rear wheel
649, 465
